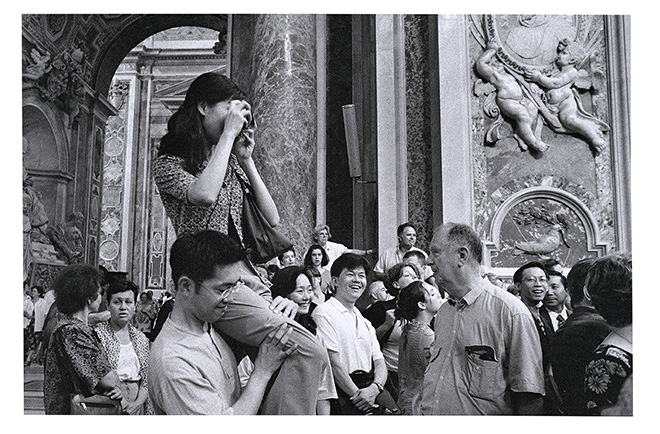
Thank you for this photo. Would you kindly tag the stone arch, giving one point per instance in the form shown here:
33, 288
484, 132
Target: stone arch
142, 27
584, 216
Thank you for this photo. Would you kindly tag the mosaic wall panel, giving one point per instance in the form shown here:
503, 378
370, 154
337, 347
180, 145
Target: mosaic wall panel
114, 161
506, 159
420, 188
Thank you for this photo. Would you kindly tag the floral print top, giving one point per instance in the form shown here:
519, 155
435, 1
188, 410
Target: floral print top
75, 363
604, 377
173, 182
113, 349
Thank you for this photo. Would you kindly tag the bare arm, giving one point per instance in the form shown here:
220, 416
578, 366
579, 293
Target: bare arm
528, 403
206, 187
554, 82
340, 373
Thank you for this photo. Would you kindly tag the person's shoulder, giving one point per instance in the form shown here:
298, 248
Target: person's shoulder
507, 300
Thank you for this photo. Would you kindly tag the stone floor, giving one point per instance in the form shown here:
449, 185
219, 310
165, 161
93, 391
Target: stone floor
33, 389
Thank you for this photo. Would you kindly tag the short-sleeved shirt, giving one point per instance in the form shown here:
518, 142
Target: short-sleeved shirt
173, 182
348, 334
192, 373
414, 355
334, 250
75, 363
486, 347
390, 257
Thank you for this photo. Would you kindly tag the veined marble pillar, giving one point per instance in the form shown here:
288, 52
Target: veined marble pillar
282, 86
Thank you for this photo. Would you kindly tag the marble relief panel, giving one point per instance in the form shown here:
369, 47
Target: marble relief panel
420, 188
509, 54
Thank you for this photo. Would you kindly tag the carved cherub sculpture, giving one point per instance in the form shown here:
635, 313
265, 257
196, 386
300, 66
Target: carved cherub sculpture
34, 71
563, 100
513, 104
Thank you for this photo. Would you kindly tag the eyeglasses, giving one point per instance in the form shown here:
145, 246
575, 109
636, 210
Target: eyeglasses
531, 279
226, 293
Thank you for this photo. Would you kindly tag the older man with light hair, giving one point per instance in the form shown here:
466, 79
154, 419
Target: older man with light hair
486, 357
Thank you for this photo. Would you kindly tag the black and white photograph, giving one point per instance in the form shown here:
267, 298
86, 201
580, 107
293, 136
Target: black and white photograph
298, 211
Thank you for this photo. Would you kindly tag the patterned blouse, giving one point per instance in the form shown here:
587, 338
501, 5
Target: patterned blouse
173, 182
414, 354
604, 377
113, 348
75, 363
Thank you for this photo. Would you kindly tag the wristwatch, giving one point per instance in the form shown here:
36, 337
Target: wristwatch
379, 386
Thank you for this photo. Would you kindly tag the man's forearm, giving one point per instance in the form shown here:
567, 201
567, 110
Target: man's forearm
528, 403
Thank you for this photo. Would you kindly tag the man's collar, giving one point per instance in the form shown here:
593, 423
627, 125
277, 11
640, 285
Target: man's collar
467, 299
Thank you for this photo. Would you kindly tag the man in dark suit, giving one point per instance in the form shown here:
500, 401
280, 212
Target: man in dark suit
531, 281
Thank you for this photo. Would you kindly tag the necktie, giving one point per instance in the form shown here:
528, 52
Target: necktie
560, 320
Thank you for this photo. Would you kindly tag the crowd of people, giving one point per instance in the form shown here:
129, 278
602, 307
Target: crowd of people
325, 332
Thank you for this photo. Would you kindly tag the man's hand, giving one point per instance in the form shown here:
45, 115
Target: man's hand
274, 349
364, 399
284, 306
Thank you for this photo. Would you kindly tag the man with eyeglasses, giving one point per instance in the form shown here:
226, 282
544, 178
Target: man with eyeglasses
192, 369
531, 280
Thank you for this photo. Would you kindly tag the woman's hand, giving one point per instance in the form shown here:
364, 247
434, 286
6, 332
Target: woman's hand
238, 116
284, 306
114, 393
244, 144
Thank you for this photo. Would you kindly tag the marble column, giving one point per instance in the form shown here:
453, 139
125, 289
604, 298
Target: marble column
283, 92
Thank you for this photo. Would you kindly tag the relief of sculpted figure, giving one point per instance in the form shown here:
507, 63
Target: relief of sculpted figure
513, 102
563, 101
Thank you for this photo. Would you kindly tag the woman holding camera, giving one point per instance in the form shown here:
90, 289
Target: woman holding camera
208, 146
203, 161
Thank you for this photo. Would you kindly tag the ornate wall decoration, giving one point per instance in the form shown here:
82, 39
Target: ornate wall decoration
114, 160
541, 223
536, 71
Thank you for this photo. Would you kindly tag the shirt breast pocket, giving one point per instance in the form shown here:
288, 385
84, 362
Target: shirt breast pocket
482, 372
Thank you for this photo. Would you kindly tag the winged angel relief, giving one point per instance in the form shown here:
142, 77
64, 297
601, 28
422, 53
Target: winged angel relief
522, 88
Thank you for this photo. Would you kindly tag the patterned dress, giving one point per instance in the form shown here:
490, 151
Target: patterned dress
173, 182
604, 377
75, 363
113, 349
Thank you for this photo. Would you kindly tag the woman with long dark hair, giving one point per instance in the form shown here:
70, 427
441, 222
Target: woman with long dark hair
295, 284
204, 163
207, 148
317, 257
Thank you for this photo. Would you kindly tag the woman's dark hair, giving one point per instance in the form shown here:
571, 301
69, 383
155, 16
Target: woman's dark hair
395, 273
284, 281
185, 136
407, 301
281, 255
576, 278
308, 256
74, 286
609, 283
122, 285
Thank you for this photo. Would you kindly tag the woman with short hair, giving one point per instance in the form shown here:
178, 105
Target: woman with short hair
76, 362
127, 347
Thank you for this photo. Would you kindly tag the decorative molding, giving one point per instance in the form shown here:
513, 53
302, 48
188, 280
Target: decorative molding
594, 243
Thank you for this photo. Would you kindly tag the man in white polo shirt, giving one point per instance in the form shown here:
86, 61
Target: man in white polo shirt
350, 338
